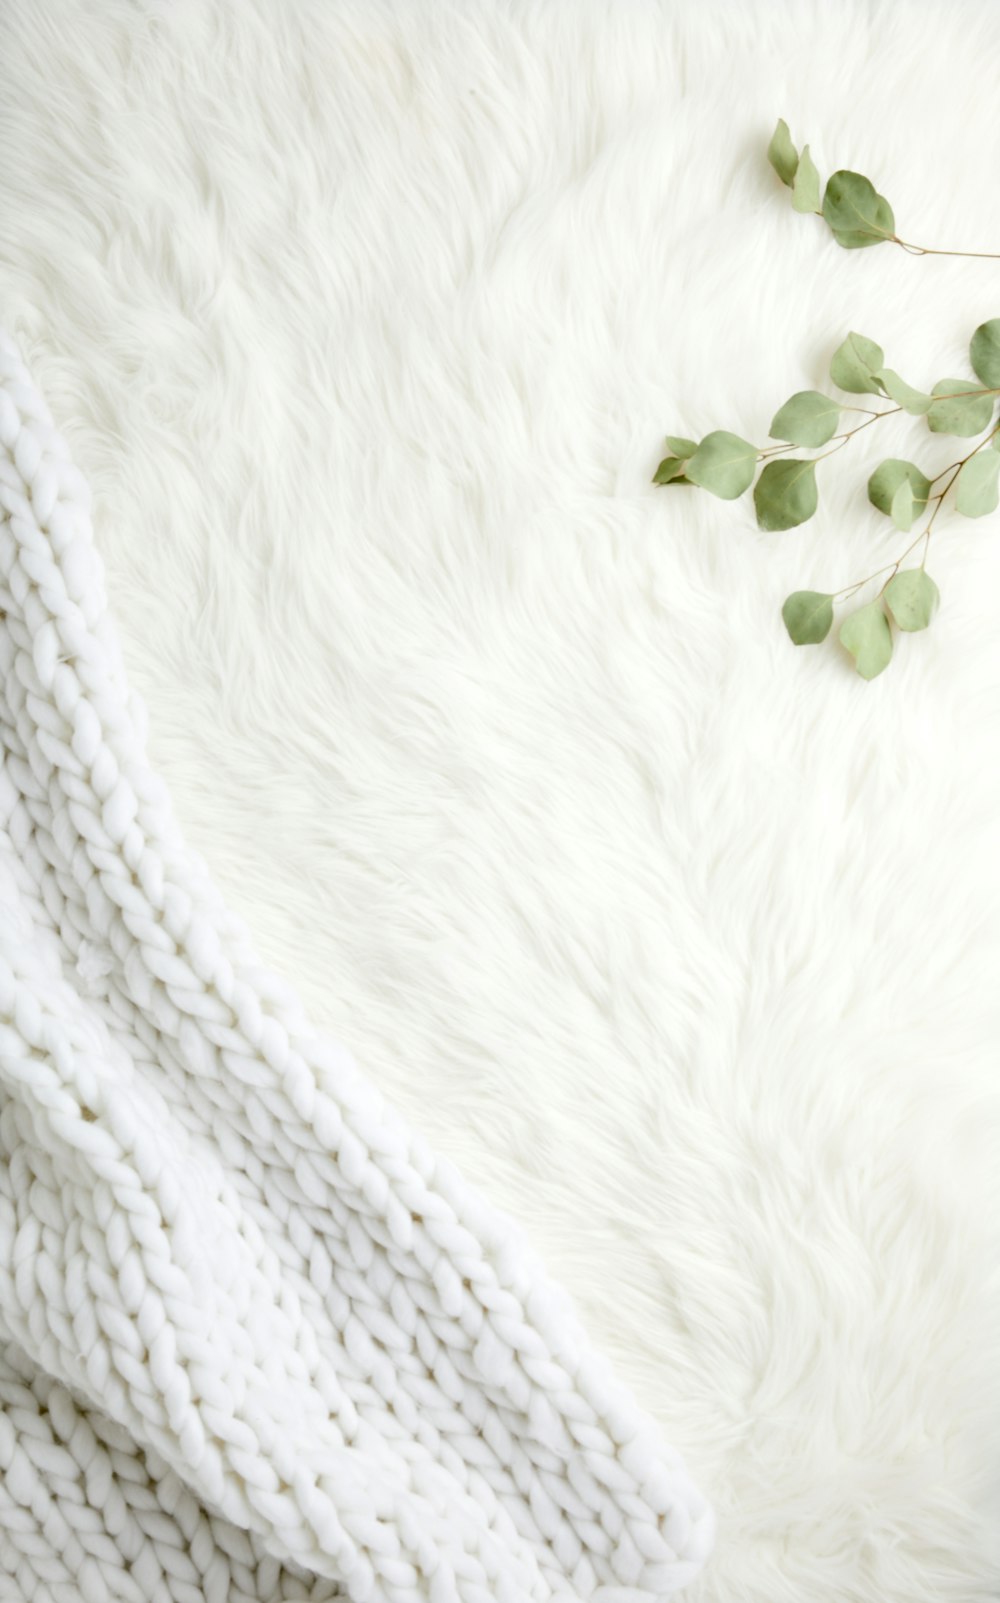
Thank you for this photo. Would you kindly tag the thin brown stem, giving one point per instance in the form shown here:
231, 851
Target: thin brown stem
774, 450
930, 250
848, 434
892, 568
871, 416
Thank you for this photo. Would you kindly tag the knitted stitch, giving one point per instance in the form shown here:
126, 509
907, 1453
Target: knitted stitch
256, 1341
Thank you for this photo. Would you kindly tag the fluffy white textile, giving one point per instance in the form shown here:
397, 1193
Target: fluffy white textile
365, 321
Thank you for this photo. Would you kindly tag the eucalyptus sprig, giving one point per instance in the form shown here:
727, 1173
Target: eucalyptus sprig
856, 214
786, 492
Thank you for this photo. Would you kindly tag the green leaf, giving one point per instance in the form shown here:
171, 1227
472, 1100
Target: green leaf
782, 154
808, 615
912, 597
963, 408
723, 464
805, 189
855, 365
984, 353
868, 638
902, 509
681, 447
785, 495
857, 214
670, 468
995, 442
809, 418
978, 491
887, 481
913, 401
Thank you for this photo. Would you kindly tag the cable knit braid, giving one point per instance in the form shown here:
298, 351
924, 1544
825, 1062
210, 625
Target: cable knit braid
257, 1344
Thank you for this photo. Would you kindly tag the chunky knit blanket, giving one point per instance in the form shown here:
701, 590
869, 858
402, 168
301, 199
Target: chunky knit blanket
256, 1342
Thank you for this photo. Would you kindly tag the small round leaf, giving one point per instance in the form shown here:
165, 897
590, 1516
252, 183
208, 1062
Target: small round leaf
884, 484
868, 638
782, 154
808, 615
984, 353
961, 408
809, 418
723, 464
913, 401
855, 365
857, 214
912, 597
903, 510
679, 446
672, 466
805, 189
977, 490
785, 495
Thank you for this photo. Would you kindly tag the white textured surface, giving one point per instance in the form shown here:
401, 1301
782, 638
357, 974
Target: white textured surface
365, 323
285, 1315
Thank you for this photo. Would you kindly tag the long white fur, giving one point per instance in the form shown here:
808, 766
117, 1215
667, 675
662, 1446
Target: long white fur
214, 1234
365, 322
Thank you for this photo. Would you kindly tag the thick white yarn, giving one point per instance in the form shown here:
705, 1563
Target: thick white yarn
256, 1342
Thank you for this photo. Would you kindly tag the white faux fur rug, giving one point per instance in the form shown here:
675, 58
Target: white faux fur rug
366, 322
257, 1342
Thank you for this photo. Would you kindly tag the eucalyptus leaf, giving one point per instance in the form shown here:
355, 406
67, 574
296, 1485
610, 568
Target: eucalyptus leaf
856, 213
912, 597
785, 495
681, 447
723, 464
868, 638
902, 510
977, 488
913, 401
808, 418
673, 466
855, 365
889, 476
984, 353
806, 188
808, 615
782, 154
995, 442
962, 409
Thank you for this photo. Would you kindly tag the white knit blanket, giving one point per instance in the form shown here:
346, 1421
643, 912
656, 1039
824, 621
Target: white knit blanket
257, 1342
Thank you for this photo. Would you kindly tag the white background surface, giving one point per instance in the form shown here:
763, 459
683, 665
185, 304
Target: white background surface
366, 324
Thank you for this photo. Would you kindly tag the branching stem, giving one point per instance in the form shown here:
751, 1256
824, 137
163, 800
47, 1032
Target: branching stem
930, 250
892, 568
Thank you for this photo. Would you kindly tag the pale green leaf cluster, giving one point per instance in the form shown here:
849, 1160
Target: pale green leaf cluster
900, 490
856, 214
909, 600
786, 492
